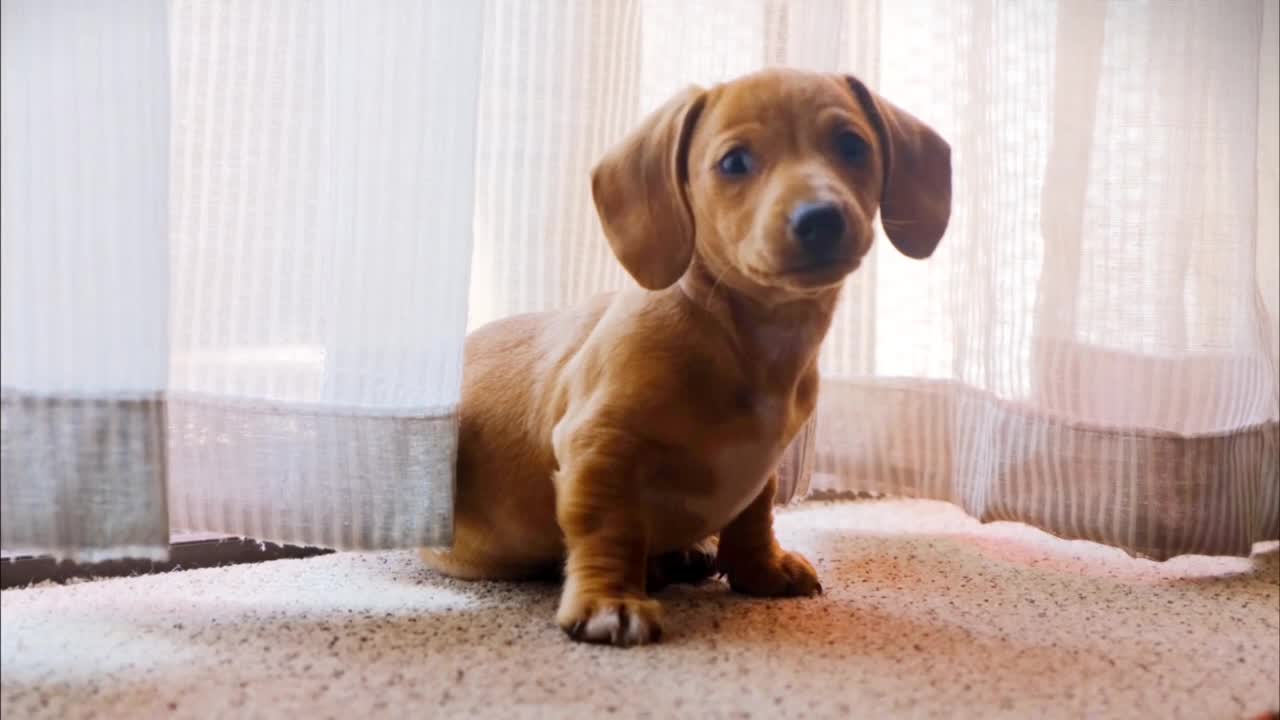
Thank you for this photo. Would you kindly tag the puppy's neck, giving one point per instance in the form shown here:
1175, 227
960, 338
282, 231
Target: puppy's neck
778, 337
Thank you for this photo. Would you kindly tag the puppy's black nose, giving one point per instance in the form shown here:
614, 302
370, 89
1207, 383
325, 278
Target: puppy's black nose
818, 227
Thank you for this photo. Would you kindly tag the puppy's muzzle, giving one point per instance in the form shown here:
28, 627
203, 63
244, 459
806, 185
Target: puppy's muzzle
819, 229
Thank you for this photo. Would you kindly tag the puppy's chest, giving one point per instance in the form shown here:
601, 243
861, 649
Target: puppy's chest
730, 468
745, 457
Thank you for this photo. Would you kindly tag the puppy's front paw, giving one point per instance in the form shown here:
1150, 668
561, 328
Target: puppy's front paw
786, 574
621, 621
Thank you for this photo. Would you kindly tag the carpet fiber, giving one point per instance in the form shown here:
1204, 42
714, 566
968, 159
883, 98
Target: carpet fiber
926, 613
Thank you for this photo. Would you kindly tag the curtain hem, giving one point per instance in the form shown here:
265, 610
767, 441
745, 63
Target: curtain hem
1154, 494
337, 480
96, 478
83, 478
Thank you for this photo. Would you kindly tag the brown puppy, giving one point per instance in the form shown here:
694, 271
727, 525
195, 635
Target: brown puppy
647, 421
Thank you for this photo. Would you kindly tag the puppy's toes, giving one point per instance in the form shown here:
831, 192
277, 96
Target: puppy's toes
802, 579
689, 565
621, 621
787, 574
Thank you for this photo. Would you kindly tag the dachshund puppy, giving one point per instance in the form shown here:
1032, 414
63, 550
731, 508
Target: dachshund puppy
646, 425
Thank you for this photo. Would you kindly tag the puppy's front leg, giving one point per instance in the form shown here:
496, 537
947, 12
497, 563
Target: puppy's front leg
753, 561
607, 541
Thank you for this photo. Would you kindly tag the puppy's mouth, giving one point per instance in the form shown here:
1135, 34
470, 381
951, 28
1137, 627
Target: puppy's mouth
802, 271
817, 273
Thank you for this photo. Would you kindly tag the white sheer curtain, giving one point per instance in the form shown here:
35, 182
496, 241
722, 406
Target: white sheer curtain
84, 277
237, 236
1090, 350
236, 249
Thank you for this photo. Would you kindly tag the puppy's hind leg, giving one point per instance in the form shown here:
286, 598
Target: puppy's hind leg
689, 566
465, 567
471, 558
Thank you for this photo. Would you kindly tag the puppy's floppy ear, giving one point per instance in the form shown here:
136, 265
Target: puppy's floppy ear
641, 196
915, 202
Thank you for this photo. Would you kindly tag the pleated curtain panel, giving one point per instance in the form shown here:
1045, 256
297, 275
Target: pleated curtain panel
243, 242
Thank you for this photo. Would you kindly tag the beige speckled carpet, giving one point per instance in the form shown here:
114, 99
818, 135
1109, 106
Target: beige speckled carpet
926, 614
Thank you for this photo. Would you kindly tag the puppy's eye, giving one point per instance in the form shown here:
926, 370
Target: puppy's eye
737, 163
852, 148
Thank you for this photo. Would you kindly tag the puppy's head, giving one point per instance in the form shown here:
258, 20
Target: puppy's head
772, 180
